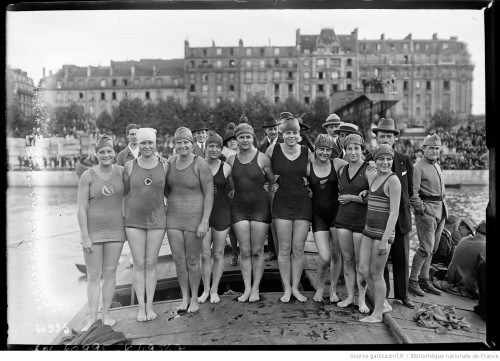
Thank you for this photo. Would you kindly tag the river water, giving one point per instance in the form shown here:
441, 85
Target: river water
45, 289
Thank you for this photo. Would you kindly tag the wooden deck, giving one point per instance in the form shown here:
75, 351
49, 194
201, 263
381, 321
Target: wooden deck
271, 322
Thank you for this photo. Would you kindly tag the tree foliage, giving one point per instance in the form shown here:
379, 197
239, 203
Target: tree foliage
445, 119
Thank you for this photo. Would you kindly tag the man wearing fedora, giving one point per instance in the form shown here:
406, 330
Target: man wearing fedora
273, 135
430, 214
331, 124
200, 134
271, 128
342, 132
386, 133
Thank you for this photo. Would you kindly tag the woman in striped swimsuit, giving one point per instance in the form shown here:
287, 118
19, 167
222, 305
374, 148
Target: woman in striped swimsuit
378, 235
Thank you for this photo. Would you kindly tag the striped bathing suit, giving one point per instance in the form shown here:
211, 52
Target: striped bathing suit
378, 213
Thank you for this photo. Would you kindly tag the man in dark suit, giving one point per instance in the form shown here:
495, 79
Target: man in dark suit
331, 124
199, 131
306, 141
386, 133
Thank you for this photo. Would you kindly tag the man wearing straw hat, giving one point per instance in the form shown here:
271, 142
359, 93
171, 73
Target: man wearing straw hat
386, 133
430, 214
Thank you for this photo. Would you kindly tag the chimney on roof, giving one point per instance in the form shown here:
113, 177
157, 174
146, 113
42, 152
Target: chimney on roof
453, 38
355, 33
155, 70
186, 44
434, 36
132, 70
43, 72
89, 71
240, 43
382, 37
297, 37
65, 67
111, 70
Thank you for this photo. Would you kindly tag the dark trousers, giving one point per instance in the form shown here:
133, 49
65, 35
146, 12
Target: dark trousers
400, 257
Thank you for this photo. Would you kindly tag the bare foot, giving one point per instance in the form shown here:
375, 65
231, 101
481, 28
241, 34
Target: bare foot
88, 325
286, 296
183, 306
193, 306
214, 297
107, 320
150, 313
141, 314
254, 296
333, 295
346, 302
244, 297
387, 307
371, 319
299, 296
363, 308
203, 297
318, 296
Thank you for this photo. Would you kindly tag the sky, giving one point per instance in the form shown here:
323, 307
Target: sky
51, 39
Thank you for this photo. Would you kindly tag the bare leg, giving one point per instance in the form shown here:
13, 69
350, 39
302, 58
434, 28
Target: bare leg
362, 285
348, 257
284, 232
137, 242
257, 238
193, 249
300, 230
219, 241
242, 230
153, 244
176, 241
322, 240
206, 265
112, 252
335, 264
94, 262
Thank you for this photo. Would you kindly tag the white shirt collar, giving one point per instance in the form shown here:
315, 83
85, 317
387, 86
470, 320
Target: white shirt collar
135, 152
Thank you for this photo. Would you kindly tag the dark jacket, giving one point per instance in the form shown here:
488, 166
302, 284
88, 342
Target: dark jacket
306, 142
197, 150
265, 144
336, 150
124, 156
403, 168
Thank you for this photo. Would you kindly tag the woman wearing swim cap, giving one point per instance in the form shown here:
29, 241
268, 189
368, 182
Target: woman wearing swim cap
292, 207
220, 221
100, 217
189, 207
325, 188
145, 219
378, 234
351, 217
250, 208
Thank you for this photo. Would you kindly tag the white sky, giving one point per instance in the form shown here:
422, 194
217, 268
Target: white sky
50, 39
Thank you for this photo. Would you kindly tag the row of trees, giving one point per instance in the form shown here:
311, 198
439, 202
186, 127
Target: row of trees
167, 115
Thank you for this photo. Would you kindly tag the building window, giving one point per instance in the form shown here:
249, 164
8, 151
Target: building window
58, 84
113, 82
393, 47
262, 51
103, 96
349, 62
147, 95
204, 89
290, 63
418, 111
418, 98
204, 52
335, 87
204, 78
192, 88
446, 101
204, 63
248, 64
349, 86
103, 83
446, 85
290, 88
320, 62
306, 62
113, 95
405, 85
306, 100
334, 75
306, 75
159, 81
445, 46
262, 64
290, 75
276, 99
276, 87
218, 77
427, 85
231, 51
428, 112
377, 47
320, 75
192, 63
231, 76
417, 46
276, 62
231, 87
70, 97
91, 97
427, 99
80, 95
406, 59
276, 51
249, 51
125, 95
349, 75
321, 88
306, 87
218, 51
231, 63
417, 84
219, 88
427, 47
218, 63
80, 83
405, 46
249, 75
405, 111
335, 62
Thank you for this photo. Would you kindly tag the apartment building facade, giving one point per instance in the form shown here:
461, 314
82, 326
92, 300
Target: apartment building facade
20, 91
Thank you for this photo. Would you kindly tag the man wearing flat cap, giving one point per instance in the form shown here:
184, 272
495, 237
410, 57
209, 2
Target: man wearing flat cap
331, 124
273, 135
386, 133
428, 202
200, 134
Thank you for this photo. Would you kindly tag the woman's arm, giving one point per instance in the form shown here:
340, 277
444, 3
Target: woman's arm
338, 163
83, 205
207, 184
127, 169
265, 164
392, 189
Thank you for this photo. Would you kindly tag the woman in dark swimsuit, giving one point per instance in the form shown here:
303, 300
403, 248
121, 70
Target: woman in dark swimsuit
292, 207
250, 208
220, 221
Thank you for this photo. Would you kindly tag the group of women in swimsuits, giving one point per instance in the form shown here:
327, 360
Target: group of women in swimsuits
353, 208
